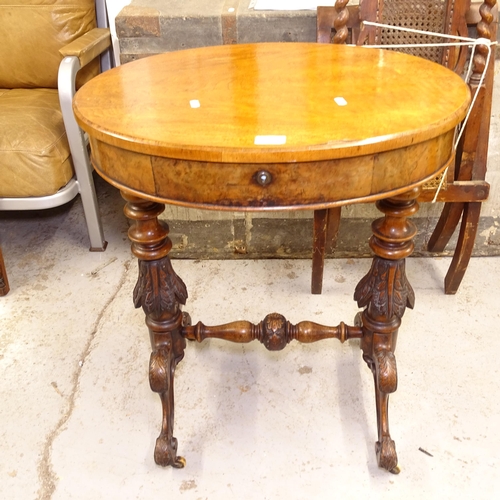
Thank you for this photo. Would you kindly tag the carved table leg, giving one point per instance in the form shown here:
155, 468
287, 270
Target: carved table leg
385, 293
159, 291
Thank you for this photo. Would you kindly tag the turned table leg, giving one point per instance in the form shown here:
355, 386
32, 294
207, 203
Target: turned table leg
160, 292
385, 293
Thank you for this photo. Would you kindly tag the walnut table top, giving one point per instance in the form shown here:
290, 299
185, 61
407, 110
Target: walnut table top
266, 126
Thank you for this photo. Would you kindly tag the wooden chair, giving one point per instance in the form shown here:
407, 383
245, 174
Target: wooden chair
464, 188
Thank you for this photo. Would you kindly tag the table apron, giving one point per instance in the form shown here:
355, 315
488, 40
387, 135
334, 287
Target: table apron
301, 185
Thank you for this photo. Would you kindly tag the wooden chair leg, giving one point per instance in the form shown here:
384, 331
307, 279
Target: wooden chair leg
318, 256
325, 232
4, 282
332, 228
448, 221
465, 245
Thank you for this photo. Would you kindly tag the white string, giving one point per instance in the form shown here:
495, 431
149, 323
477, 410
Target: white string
469, 111
461, 41
420, 32
413, 45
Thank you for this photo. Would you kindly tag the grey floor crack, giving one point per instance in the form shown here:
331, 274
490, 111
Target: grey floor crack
46, 475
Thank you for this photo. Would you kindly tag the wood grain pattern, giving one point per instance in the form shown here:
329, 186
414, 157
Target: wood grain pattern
250, 90
160, 293
395, 132
298, 185
275, 332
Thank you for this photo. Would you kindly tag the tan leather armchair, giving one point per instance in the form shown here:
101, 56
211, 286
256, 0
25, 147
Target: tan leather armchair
48, 47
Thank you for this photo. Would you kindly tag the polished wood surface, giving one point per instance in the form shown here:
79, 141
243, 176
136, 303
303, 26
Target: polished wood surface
142, 111
388, 136
288, 90
384, 293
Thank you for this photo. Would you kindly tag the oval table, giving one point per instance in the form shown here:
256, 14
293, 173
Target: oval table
273, 127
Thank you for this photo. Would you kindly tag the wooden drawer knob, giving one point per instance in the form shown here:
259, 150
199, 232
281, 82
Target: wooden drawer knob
263, 177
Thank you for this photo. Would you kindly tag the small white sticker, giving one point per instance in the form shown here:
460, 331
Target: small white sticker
267, 140
231, 9
340, 101
194, 103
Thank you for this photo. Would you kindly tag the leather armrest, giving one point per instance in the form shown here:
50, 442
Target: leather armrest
88, 46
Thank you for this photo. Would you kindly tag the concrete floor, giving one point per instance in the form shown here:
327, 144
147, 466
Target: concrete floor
78, 420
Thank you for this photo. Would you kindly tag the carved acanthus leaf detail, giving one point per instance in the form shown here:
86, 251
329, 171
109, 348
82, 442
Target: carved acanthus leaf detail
386, 288
158, 288
159, 371
274, 332
387, 371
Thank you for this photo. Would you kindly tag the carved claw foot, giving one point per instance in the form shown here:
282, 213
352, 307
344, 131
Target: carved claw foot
387, 457
166, 453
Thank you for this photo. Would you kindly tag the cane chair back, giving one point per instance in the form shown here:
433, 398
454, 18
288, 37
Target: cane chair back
464, 187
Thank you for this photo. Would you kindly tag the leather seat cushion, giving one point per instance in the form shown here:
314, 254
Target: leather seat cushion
32, 33
34, 151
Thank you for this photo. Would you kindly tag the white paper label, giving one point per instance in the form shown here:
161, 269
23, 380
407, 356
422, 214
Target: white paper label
269, 140
340, 101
